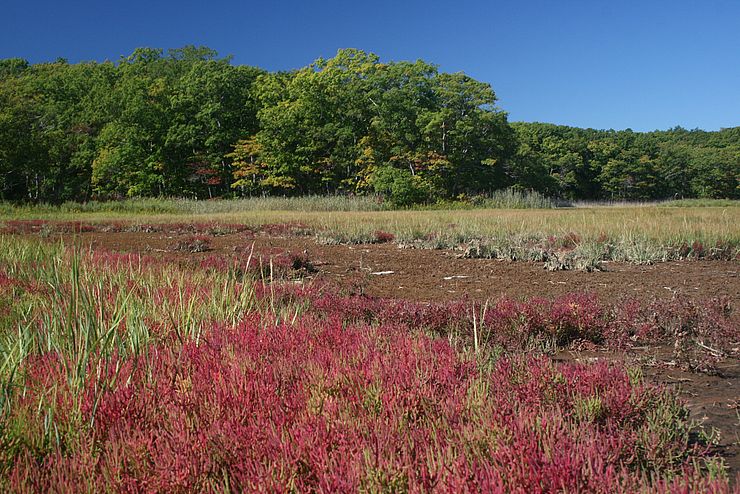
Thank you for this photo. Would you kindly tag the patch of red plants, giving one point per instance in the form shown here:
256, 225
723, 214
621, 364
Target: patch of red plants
22, 226
10, 285
36, 226
366, 394
322, 406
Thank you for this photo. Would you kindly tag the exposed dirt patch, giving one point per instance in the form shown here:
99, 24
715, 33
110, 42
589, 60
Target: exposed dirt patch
436, 275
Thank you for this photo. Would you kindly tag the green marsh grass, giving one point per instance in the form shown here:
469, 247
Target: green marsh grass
91, 314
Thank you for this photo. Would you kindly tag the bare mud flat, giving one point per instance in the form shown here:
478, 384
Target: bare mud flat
384, 270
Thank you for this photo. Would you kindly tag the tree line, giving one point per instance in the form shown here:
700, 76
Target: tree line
187, 123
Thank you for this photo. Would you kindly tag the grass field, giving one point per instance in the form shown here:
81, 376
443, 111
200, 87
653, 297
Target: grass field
635, 233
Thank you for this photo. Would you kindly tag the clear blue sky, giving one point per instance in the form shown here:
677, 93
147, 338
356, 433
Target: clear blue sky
649, 64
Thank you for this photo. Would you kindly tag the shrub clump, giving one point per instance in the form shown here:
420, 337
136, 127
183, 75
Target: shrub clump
193, 244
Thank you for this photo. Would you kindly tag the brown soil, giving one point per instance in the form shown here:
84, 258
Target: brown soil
437, 275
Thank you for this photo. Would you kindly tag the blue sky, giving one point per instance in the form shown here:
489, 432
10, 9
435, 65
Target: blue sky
645, 65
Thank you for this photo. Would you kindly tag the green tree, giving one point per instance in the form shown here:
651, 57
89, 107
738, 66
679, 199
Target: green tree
22, 163
130, 159
717, 172
187, 123
211, 108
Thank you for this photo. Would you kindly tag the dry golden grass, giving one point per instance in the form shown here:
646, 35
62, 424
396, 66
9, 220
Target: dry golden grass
657, 223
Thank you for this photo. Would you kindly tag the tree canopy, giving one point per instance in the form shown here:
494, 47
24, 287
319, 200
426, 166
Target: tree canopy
188, 123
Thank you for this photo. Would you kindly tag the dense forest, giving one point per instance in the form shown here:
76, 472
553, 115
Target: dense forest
187, 123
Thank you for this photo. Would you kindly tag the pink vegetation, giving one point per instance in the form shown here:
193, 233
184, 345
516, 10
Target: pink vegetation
323, 406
